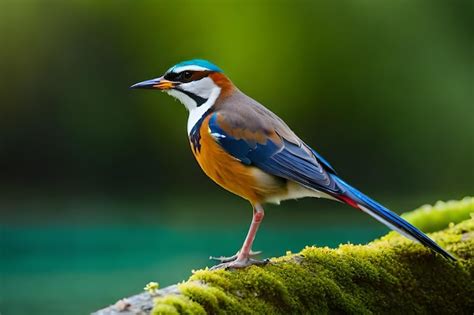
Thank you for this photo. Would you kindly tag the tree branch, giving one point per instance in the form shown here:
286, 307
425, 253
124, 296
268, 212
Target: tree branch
388, 275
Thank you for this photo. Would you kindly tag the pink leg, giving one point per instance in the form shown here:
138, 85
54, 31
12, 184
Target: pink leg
258, 215
243, 257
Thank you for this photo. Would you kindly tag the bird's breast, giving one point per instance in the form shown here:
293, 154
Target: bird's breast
246, 181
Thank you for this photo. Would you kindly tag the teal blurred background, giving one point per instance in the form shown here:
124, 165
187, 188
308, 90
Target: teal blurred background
100, 193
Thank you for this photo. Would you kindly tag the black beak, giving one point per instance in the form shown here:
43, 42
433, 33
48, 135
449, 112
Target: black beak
148, 84
159, 84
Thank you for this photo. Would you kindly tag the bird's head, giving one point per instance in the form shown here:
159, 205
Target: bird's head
192, 82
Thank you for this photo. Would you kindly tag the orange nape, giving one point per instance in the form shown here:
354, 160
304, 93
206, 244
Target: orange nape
226, 85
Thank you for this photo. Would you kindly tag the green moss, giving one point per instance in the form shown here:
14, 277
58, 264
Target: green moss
177, 304
434, 218
389, 275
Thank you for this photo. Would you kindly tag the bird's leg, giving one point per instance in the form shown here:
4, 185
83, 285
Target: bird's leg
243, 258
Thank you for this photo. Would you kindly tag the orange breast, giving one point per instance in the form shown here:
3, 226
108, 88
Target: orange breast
240, 179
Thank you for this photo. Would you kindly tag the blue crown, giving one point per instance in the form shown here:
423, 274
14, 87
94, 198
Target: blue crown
198, 62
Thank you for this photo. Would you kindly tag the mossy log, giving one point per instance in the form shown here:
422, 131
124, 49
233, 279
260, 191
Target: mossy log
390, 275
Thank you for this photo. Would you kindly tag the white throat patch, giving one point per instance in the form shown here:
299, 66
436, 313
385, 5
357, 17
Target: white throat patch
204, 88
196, 113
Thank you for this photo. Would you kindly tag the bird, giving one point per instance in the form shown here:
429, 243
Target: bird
250, 151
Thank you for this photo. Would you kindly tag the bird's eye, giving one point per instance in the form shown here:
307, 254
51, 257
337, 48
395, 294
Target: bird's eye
187, 74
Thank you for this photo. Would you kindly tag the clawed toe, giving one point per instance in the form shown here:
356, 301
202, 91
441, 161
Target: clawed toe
240, 263
224, 259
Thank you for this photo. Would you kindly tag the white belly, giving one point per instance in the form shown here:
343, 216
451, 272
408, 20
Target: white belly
293, 190
297, 191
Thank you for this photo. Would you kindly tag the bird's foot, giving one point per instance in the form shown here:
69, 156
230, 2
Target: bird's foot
240, 263
224, 259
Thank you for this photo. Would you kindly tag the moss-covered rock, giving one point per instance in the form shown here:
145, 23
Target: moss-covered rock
435, 218
389, 275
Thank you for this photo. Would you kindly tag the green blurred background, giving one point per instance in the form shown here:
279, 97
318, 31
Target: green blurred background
99, 190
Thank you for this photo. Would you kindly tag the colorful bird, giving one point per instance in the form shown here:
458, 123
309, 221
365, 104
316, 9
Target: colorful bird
250, 151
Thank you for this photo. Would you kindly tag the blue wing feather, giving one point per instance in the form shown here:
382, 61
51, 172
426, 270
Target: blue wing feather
284, 159
323, 161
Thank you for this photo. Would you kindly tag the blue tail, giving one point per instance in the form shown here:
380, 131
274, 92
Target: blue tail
387, 217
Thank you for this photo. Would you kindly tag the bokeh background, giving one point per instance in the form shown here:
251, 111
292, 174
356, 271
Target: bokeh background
99, 191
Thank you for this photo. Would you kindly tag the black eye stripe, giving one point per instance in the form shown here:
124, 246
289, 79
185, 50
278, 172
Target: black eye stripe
186, 76
172, 76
